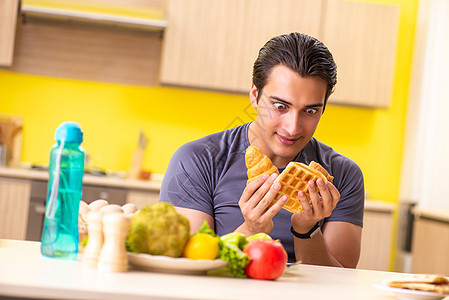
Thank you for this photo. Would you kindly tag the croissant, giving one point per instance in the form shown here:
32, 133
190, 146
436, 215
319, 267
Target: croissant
258, 164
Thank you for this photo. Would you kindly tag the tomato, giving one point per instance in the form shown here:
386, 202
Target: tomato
268, 259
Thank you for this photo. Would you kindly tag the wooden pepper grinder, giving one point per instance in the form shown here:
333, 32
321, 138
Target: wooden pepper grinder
113, 257
95, 241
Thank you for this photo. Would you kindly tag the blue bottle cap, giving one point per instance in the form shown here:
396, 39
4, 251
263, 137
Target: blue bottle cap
70, 132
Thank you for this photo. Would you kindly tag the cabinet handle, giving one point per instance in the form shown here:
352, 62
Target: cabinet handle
39, 209
104, 195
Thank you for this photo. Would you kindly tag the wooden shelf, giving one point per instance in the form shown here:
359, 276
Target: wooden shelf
93, 17
115, 41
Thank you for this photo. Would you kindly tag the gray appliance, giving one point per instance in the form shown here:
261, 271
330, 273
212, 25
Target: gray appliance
38, 197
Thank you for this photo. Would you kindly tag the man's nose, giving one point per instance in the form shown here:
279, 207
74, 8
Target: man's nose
292, 124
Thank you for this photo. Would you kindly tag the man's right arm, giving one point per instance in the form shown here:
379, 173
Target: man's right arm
185, 186
195, 218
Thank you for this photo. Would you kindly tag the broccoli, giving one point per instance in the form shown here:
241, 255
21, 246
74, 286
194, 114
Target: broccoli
158, 230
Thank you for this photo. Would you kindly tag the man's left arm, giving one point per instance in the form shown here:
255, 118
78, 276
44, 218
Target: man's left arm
343, 240
337, 244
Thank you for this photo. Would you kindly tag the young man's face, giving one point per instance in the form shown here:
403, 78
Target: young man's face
288, 112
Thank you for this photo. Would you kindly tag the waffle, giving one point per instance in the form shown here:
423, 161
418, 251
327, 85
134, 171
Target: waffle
318, 167
422, 282
294, 178
419, 278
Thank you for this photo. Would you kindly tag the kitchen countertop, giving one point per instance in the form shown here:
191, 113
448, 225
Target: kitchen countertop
152, 185
25, 273
440, 215
379, 206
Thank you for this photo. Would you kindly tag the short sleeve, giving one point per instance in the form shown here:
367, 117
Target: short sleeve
350, 184
186, 182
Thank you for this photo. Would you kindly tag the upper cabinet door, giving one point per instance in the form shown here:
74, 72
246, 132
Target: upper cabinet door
362, 38
8, 20
213, 44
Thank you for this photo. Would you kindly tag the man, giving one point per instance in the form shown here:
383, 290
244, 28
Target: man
293, 77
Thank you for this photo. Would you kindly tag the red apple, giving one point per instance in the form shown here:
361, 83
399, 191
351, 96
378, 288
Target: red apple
268, 259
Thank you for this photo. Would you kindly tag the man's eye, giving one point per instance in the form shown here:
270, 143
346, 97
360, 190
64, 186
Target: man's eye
279, 106
311, 111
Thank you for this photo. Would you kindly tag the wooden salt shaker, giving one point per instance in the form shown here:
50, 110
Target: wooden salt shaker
113, 257
95, 241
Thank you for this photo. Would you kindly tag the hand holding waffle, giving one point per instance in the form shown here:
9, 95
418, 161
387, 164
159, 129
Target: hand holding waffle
293, 179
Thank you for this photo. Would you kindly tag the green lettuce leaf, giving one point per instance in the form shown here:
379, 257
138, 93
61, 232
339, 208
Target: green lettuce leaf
206, 229
231, 248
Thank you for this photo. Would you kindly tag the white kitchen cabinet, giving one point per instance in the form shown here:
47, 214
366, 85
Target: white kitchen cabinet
142, 198
377, 236
362, 38
14, 205
430, 242
23, 196
8, 18
213, 44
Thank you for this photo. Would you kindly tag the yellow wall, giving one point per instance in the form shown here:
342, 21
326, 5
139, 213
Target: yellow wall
111, 116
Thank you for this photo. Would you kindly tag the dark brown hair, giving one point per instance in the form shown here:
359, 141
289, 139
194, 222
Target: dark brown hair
303, 54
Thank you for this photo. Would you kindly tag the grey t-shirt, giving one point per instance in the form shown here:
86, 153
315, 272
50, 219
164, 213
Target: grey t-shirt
209, 175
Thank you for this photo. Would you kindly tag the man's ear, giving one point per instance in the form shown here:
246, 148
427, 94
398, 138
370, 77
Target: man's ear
253, 93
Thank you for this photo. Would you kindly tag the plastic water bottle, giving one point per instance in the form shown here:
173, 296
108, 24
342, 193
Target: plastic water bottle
60, 235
